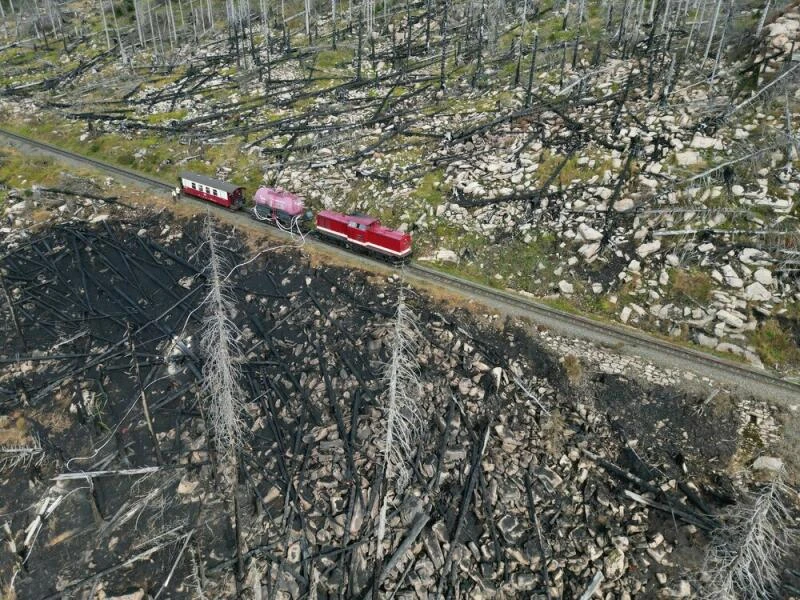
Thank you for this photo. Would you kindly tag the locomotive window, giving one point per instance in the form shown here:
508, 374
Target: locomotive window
352, 225
194, 186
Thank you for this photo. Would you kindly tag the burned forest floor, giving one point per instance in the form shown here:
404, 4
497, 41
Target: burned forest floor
536, 474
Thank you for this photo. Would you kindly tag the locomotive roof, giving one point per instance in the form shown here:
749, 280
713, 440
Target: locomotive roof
225, 186
360, 219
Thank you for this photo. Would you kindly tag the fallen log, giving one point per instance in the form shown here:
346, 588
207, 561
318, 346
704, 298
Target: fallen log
405, 545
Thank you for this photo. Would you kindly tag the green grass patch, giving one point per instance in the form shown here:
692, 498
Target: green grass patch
22, 171
334, 59
775, 345
430, 188
160, 118
693, 284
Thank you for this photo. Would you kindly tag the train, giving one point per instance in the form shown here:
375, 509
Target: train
288, 211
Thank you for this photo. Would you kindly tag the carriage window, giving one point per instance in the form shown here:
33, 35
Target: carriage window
194, 186
352, 225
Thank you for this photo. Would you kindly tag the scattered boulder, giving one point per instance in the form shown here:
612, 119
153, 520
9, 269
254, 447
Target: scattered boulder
648, 248
589, 234
702, 142
730, 319
589, 251
731, 277
755, 292
763, 276
754, 257
623, 205
444, 255
614, 564
687, 158
767, 463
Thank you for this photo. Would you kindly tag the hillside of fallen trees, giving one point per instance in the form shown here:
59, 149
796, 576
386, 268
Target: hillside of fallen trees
186, 412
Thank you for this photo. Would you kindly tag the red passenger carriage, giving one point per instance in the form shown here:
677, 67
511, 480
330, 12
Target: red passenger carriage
219, 192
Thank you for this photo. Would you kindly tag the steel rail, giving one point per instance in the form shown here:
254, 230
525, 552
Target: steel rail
627, 336
102, 165
759, 383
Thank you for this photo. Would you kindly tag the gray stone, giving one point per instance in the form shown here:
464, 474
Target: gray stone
445, 255
707, 341
186, 486
730, 349
137, 595
732, 278
767, 463
687, 158
589, 233
549, 478
293, 554
434, 549
511, 528
614, 564
565, 287
524, 582
753, 256
763, 276
755, 292
648, 248
18, 208
702, 142
623, 205
684, 590
729, 318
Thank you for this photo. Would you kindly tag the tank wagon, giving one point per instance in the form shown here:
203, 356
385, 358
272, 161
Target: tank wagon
280, 208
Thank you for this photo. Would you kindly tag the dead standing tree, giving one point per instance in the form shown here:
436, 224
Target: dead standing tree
402, 413
745, 555
221, 375
219, 344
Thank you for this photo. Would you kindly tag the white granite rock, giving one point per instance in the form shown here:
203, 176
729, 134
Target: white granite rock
648, 248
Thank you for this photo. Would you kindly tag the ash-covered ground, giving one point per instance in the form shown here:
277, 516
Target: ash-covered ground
110, 483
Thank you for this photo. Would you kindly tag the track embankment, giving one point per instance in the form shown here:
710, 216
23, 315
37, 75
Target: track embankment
625, 340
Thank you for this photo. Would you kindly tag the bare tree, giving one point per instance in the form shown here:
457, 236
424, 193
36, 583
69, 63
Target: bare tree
402, 412
219, 344
15, 456
745, 555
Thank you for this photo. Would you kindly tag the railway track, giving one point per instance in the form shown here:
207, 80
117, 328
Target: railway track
622, 339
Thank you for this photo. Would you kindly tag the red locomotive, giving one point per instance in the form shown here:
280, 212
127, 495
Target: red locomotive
364, 232
287, 210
